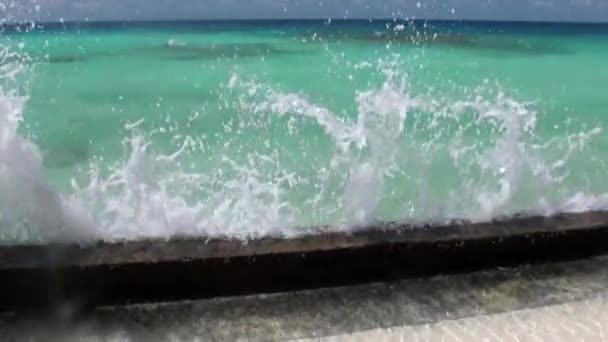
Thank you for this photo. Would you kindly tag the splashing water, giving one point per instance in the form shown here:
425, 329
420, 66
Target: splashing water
401, 154
27, 202
384, 142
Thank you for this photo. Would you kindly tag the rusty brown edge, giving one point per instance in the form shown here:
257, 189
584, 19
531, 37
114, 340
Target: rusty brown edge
122, 272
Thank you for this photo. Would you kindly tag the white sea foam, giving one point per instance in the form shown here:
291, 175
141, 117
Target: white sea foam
488, 141
27, 202
383, 155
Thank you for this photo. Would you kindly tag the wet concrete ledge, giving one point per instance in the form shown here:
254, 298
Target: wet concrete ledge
116, 273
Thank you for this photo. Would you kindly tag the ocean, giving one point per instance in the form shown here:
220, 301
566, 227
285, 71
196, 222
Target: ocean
243, 129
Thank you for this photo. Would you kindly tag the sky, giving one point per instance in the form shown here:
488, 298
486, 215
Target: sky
523, 10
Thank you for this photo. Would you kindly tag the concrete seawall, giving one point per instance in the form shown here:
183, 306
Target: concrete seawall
125, 272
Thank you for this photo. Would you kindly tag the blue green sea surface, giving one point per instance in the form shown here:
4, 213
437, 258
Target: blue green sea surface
249, 128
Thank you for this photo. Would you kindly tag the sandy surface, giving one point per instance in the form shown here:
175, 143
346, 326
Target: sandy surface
578, 321
552, 302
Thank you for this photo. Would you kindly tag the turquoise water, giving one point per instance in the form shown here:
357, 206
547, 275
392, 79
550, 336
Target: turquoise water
254, 128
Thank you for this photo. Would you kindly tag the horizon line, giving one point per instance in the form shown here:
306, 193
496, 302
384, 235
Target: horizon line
211, 20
